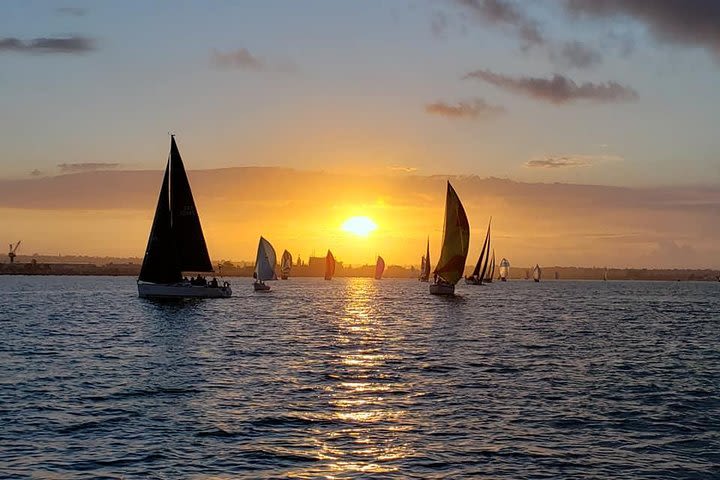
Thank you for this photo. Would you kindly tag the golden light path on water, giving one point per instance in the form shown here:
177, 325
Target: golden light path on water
368, 440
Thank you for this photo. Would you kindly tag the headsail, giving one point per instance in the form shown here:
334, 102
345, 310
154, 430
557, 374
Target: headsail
159, 264
483, 260
286, 263
192, 253
491, 269
265, 261
379, 268
329, 265
456, 240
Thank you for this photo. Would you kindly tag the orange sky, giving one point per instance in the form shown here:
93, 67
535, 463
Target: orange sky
109, 213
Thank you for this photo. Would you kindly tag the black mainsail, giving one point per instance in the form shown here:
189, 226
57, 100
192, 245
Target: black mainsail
176, 242
484, 258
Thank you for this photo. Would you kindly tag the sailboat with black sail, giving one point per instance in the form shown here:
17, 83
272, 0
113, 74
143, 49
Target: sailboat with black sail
456, 240
491, 269
285, 265
264, 266
176, 242
478, 274
425, 264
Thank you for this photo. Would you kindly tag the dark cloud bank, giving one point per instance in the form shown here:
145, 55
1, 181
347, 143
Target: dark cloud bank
74, 44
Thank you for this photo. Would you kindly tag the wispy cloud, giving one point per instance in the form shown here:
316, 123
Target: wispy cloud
672, 21
402, 169
558, 89
36, 173
72, 11
85, 167
502, 12
240, 58
73, 45
569, 161
470, 109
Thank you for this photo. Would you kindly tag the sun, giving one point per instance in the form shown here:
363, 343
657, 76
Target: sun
360, 226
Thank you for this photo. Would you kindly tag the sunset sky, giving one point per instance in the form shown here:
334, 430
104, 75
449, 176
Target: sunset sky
375, 98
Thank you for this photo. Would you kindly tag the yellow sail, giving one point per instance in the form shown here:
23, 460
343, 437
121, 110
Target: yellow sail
456, 240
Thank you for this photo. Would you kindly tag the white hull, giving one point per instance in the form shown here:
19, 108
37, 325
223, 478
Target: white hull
442, 289
182, 290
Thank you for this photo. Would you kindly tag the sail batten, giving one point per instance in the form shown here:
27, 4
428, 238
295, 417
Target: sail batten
456, 239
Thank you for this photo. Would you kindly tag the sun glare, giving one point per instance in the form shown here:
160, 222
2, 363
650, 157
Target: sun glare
361, 226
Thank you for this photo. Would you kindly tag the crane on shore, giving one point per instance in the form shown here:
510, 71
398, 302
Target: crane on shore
13, 249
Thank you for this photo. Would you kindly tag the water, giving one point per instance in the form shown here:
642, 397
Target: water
358, 378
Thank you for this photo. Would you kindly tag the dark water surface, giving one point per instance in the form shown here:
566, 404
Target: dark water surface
358, 378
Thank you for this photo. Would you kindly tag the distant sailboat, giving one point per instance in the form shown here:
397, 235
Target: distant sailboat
504, 270
329, 265
425, 264
605, 275
379, 268
491, 269
456, 240
481, 267
557, 275
537, 273
264, 265
176, 242
285, 265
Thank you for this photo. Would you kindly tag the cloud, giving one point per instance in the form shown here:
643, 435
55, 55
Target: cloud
501, 12
71, 11
85, 167
240, 58
673, 21
471, 109
402, 168
576, 55
569, 161
36, 173
558, 89
74, 44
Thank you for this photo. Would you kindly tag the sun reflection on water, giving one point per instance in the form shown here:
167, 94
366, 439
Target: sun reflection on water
365, 401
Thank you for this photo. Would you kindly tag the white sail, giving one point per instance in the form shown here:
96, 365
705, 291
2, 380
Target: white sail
285, 264
265, 261
537, 273
504, 269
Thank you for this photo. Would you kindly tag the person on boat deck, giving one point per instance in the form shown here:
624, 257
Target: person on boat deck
214, 283
435, 277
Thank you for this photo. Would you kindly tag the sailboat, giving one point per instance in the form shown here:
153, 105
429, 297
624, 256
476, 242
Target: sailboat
285, 265
379, 268
605, 275
264, 266
504, 270
425, 264
454, 250
176, 243
481, 267
537, 273
491, 269
329, 266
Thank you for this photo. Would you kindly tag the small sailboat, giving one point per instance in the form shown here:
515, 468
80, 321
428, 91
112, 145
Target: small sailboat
504, 270
329, 265
425, 264
605, 275
482, 264
557, 275
264, 266
491, 269
379, 268
285, 265
176, 242
455, 244
537, 273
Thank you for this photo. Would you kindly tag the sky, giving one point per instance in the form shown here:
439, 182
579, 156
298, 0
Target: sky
607, 93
